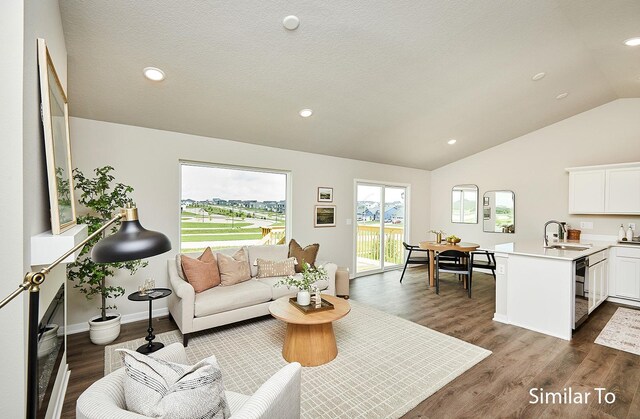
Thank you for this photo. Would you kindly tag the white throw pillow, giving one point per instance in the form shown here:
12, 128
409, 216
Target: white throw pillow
162, 389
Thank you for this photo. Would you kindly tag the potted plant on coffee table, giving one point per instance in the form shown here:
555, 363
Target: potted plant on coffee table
310, 275
103, 200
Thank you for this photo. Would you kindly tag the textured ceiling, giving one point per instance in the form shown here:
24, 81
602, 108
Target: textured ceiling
389, 81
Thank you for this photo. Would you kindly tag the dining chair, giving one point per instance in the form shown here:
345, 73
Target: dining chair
461, 265
415, 260
482, 263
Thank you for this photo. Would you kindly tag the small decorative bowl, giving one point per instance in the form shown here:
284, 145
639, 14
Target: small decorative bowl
453, 241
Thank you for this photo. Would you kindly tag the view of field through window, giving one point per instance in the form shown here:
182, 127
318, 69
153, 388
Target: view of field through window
228, 207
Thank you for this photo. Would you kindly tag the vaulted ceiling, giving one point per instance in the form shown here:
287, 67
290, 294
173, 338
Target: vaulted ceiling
388, 81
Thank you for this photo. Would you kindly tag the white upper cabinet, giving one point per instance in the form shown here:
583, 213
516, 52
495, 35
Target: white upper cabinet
607, 189
586, 192
623, 191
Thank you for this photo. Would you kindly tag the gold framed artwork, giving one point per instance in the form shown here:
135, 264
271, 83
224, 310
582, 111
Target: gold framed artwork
325, 194
325, 216
55, 121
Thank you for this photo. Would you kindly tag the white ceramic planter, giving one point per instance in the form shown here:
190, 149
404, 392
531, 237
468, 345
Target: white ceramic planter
48, 341
102, 333
303, 298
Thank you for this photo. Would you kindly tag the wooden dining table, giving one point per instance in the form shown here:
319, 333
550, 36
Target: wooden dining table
434, 247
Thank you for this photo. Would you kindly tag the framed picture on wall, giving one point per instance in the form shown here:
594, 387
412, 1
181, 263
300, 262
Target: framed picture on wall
325, 216
325, 194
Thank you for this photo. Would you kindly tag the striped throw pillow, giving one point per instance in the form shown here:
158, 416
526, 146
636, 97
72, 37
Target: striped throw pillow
157, 388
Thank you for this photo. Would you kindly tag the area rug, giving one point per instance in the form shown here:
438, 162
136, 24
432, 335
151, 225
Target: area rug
622, 331
385, 365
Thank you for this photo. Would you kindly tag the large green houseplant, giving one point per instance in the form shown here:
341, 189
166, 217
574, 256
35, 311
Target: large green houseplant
102, 198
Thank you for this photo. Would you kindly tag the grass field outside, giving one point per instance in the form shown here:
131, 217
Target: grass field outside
220, 237
191, 224
215, 229
220, 230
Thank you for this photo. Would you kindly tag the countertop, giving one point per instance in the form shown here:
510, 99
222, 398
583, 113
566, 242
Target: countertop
535, 248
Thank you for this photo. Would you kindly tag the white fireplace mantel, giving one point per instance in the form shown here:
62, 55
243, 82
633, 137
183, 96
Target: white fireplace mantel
47, 247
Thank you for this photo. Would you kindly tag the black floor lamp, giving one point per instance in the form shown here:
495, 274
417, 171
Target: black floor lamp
131, 242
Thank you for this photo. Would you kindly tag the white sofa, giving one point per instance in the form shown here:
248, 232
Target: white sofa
222, 305
277, 398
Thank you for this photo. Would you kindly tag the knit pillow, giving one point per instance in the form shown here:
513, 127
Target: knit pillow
306, 255
234, 269
157, 388
270, 268
202, 273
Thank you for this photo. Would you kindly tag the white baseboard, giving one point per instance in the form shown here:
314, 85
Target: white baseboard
57, 413
500, 318
126, 318
624, 301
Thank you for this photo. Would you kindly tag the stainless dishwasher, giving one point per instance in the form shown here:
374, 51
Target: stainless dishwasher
581, 303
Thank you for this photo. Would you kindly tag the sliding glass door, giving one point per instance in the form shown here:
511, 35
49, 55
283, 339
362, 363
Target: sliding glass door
380, 227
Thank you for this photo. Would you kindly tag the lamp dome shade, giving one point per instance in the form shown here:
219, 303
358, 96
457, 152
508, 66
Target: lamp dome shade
131, 242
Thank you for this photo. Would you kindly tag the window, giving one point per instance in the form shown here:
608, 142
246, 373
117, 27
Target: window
224, 206
464, 204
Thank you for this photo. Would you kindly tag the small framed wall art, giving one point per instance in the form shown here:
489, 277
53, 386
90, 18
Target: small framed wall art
325, 194
325, 216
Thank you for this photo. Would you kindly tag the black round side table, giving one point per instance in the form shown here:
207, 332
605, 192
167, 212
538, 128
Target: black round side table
150, 296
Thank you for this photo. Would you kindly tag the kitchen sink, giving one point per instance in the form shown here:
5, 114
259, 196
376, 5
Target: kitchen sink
574, 247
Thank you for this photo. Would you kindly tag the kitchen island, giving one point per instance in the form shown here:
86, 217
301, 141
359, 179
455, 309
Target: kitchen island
536, 288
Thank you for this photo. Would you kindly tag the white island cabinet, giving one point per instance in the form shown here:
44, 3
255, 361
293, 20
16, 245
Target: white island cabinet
535, 286
598, 277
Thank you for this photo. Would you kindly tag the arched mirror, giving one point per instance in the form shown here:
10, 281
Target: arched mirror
499, 212
464, 204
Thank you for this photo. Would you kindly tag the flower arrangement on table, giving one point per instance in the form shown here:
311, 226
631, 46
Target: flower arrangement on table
310, 275
439, 234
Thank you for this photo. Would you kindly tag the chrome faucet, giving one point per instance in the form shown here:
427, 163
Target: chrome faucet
560, 225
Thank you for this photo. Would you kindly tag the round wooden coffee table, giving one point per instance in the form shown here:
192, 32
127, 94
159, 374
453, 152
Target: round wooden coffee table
309, 339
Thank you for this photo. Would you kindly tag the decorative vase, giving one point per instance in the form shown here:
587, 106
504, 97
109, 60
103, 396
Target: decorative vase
48, 340
303, 298
104, 332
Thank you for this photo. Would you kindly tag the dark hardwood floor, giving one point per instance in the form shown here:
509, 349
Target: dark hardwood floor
496, 387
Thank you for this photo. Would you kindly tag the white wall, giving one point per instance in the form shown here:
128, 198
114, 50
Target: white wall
533, 167
148, 160
25, 207
12, 391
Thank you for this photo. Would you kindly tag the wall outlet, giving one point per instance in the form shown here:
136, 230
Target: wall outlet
349, 221
586, 225
501, 269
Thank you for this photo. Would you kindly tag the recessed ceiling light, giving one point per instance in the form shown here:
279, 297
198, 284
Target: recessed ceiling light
291, 22
305, 113
632, 42
538, 76
562, 95
154, 74
451, 141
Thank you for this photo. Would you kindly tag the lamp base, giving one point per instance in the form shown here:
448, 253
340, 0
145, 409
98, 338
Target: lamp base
147, 349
